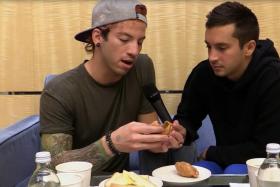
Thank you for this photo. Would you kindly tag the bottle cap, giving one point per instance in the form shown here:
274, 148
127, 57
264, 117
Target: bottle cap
43, 157
273, 148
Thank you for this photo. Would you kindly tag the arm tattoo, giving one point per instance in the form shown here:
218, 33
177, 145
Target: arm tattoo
56, 143
60, 147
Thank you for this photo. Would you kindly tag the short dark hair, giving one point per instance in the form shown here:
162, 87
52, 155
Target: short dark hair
245, 21
89, 47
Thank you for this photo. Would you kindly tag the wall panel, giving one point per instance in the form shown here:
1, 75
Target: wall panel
16, 46
17, 107
171, 102
37, 39
54, 27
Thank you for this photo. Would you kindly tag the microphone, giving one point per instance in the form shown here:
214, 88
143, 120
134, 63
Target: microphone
153, 96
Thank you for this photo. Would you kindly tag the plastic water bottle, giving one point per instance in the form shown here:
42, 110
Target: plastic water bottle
269, 172
43, 176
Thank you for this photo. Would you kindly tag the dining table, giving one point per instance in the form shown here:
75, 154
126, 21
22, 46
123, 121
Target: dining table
222, 180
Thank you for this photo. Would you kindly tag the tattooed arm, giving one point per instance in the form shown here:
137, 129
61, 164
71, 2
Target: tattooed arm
130, 137
60, 146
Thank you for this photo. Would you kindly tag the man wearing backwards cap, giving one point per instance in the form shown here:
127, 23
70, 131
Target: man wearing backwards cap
89, 113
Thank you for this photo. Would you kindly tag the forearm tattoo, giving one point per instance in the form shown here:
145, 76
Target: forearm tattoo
60, 147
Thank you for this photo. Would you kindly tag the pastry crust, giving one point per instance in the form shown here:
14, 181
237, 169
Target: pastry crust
185, 169
166, 125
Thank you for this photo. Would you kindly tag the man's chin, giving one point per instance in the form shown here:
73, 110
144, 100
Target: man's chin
122, 72
219, 74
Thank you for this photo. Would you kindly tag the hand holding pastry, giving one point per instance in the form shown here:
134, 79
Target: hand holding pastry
136, 136
177, 135
175, 131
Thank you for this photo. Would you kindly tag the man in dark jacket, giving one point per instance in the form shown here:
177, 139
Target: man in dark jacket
238, 86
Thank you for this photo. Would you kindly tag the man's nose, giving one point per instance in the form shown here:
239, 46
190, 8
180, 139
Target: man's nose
212, 56
134, 49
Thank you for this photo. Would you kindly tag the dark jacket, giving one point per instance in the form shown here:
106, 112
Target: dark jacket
245, 113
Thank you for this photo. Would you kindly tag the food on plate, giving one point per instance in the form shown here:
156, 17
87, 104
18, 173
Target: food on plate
185, 169
119, 179
128, 179
166, 125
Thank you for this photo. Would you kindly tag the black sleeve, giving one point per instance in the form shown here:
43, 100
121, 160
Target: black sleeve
266, 129
192, 110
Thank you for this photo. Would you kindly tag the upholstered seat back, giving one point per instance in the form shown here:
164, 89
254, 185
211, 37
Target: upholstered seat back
18, 146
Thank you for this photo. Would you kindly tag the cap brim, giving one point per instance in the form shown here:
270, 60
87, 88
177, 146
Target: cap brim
84, 35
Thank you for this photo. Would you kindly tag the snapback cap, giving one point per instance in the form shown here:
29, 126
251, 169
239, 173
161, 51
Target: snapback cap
112, 11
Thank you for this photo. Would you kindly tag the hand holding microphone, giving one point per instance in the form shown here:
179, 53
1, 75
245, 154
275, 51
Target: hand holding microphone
178, 133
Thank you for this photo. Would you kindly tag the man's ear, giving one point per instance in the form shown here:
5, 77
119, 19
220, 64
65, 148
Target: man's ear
96, 36
250, 47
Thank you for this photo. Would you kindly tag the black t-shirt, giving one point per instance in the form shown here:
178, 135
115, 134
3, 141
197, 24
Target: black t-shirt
74, 103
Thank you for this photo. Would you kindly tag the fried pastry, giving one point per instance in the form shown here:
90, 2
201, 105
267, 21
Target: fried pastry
185, 169
166, 125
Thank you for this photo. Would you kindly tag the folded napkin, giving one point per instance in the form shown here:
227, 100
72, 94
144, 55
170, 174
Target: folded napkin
239, 184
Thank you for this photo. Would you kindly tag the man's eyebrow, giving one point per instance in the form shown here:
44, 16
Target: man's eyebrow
124, 33
128, 35
221, 43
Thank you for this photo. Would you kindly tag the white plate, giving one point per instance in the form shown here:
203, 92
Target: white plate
169, 174
152, 179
